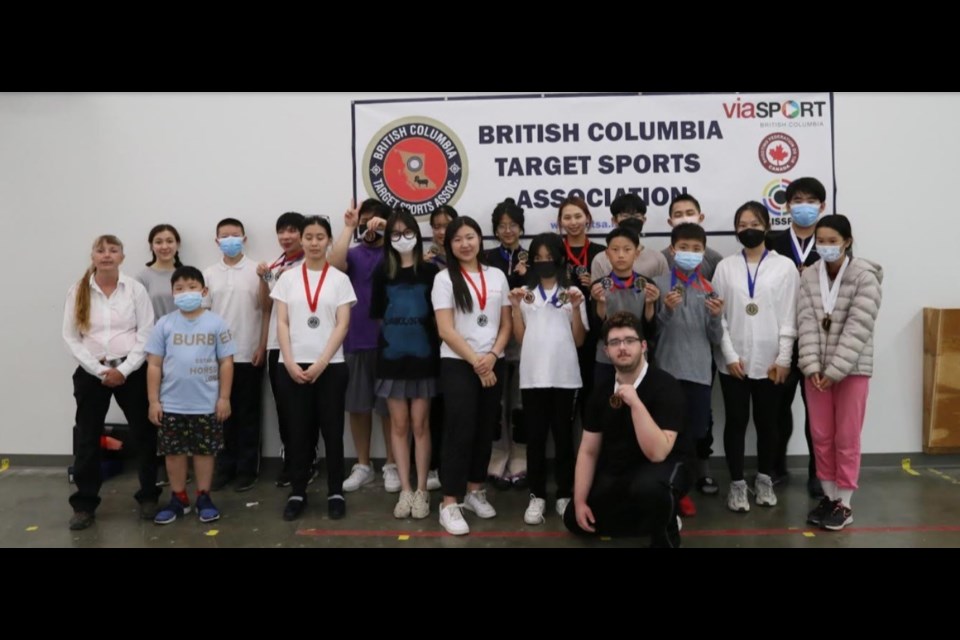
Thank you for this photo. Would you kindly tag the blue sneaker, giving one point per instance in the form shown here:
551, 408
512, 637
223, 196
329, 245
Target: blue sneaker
172, 511
206, 509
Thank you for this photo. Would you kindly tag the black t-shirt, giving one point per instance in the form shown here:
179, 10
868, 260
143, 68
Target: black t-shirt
506, 260
620, 452
409, 345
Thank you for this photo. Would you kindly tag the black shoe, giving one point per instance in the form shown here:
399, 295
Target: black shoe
821, 511
708, 486
221, 480
81, 520
336, 507
244, 482
283, 480
838, 518
519, 482
502, 484
148, 509
294, 508
814, 488
162, 479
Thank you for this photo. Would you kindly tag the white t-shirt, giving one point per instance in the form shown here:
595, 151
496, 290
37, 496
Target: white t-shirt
548, 356
234, 296
309, 342
766, 337
480, 339
272, 341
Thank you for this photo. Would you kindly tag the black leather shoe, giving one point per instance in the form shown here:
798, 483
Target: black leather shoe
294, 508
148, 509
81, 520
244, 482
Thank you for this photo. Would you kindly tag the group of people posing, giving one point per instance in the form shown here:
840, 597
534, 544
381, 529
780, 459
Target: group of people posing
472, 358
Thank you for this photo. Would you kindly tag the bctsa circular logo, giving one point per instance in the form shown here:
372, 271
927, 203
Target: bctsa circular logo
415, 162
779, 153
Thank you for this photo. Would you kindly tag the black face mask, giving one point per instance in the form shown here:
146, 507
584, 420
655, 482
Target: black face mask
751, 238
545, 269
634, 224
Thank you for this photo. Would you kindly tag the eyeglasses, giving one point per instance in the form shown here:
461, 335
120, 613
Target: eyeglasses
508, 227
409, 234
616, 342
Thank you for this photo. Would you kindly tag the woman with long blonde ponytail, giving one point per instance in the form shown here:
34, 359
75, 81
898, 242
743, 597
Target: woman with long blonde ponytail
106, 322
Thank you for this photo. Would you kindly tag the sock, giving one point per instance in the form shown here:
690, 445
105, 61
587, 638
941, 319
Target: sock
182, 497
845, 495
829, 488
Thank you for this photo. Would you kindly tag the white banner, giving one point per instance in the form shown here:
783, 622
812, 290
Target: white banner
472, 153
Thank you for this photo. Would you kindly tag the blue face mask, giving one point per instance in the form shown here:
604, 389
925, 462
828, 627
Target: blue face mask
231, 246
830, 252
688, 260
189, 301
805, 215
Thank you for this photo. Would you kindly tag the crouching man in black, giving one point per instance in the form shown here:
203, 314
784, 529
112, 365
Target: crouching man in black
630, 472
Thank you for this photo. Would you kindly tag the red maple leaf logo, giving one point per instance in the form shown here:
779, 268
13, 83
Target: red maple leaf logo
778, 154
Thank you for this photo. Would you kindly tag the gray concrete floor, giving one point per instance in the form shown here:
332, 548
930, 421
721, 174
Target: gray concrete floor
893, 508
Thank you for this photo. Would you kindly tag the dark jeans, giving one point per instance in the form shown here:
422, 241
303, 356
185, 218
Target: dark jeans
785, 423
241, 432
93, 402
549, 411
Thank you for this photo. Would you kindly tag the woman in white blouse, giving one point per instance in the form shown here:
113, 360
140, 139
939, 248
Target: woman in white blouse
106, 322
759, 288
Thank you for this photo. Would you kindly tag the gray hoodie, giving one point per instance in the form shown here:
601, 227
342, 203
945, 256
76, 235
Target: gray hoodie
847, 348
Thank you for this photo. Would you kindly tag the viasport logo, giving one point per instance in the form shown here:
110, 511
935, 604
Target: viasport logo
778, 153
415, 162
787, 109
775, 199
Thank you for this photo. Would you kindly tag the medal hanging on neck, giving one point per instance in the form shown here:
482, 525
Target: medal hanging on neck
313, 321
752, 308
829, 293
482, 319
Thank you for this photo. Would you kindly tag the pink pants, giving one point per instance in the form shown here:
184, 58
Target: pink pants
836, 420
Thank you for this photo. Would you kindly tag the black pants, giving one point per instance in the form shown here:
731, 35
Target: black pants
586, 358
785, 423
549, 411
643, 501
436, 433
696, 423
274, 369
705, 444
93, 402
314, 409
766, 407
471, 414
241, 432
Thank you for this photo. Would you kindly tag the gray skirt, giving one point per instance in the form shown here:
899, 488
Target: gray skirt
406, 389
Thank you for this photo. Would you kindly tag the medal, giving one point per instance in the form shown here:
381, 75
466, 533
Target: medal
582, 271
752, 309
616, 401
563, 297
482, 320
528, 297
313, 322
826, 324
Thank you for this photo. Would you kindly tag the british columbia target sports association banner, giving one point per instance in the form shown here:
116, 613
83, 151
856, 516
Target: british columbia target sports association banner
472, 153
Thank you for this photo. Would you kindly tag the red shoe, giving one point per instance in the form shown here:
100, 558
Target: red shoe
687, 508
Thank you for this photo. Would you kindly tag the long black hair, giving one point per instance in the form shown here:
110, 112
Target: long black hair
391, 257
553, 242
461, 290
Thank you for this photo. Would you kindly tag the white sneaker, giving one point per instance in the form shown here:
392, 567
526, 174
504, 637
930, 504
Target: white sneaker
476, 501
764, 487
404, 505
452, 520
421, 505
562, 505
433, 480
360, 475
534, 512
737, 499
391, 478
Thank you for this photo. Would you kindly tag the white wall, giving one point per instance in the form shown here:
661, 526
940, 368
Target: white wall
76, 166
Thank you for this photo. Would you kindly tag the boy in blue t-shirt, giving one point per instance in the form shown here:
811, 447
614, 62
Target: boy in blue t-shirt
189, 376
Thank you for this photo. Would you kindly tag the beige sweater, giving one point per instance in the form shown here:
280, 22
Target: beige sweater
847, 349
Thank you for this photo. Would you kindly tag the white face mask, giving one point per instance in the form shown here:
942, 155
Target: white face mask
404, 245
687, 220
